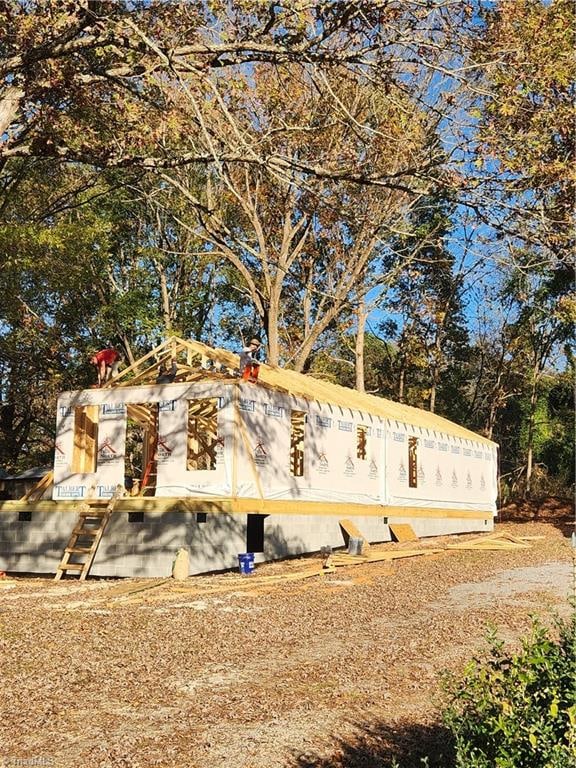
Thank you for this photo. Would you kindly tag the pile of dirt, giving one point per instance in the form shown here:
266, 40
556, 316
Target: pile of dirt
550, 509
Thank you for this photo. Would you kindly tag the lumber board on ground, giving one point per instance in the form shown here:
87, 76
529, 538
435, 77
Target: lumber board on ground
126, 590
343, 559
240, 584
491, 542
40, 486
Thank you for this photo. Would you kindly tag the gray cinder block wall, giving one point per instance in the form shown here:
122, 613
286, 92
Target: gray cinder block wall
145, 544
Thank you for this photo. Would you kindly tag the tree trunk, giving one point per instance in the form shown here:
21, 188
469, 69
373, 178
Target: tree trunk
271, 320
530, 438
9, 107
165, 296
401, 383
360, 340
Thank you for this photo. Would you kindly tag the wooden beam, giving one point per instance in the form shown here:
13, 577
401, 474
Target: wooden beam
134, 367
40, 486
353, 531
242, 506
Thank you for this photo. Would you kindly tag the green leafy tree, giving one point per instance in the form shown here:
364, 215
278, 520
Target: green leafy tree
524, 54
432, 338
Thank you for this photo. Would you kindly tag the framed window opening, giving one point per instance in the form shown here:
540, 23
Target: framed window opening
202, 434
85, 454
297, 436
413, 462
362, 442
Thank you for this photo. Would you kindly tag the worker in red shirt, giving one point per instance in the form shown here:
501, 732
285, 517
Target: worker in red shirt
107, 362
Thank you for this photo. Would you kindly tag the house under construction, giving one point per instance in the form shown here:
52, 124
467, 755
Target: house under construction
222, 466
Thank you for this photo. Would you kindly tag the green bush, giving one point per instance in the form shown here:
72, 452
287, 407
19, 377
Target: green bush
518, 711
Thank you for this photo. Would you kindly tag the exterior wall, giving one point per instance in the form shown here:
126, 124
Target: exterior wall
452, 472
332, 471
253, 456
173, 479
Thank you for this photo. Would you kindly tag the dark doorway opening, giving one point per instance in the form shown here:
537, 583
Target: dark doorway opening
255, 533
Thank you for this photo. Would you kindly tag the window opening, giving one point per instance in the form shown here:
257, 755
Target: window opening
361, 442
85, 452
412, 462
140, 464
297, 433
202, 434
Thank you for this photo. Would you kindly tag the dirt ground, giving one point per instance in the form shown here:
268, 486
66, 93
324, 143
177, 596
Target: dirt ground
281, 669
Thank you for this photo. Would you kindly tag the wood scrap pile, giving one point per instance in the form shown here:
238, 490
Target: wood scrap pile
343, 558
495, 541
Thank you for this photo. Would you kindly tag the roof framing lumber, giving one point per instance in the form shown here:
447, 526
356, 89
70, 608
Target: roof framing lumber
144, 370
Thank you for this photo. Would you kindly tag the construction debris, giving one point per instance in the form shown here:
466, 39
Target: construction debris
343, 559
494, 541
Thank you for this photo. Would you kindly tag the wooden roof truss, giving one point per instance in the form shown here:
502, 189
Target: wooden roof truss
197, 361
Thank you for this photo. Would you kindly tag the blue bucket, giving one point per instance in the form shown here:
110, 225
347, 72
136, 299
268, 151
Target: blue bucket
246, 563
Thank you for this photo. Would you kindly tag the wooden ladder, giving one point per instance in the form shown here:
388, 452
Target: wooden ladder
85, 537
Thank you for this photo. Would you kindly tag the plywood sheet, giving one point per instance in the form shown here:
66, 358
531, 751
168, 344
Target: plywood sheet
402, 532
353, 531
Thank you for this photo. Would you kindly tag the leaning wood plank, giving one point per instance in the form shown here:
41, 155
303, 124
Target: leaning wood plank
403, 532
355, 533
249, 452
41, 485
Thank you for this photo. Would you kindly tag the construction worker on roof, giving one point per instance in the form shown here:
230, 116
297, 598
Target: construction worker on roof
249, 363
107, 362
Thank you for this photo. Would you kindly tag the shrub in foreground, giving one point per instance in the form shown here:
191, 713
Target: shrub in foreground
518, 710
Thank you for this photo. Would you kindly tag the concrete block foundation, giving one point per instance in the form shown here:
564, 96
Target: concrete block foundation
144, 544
